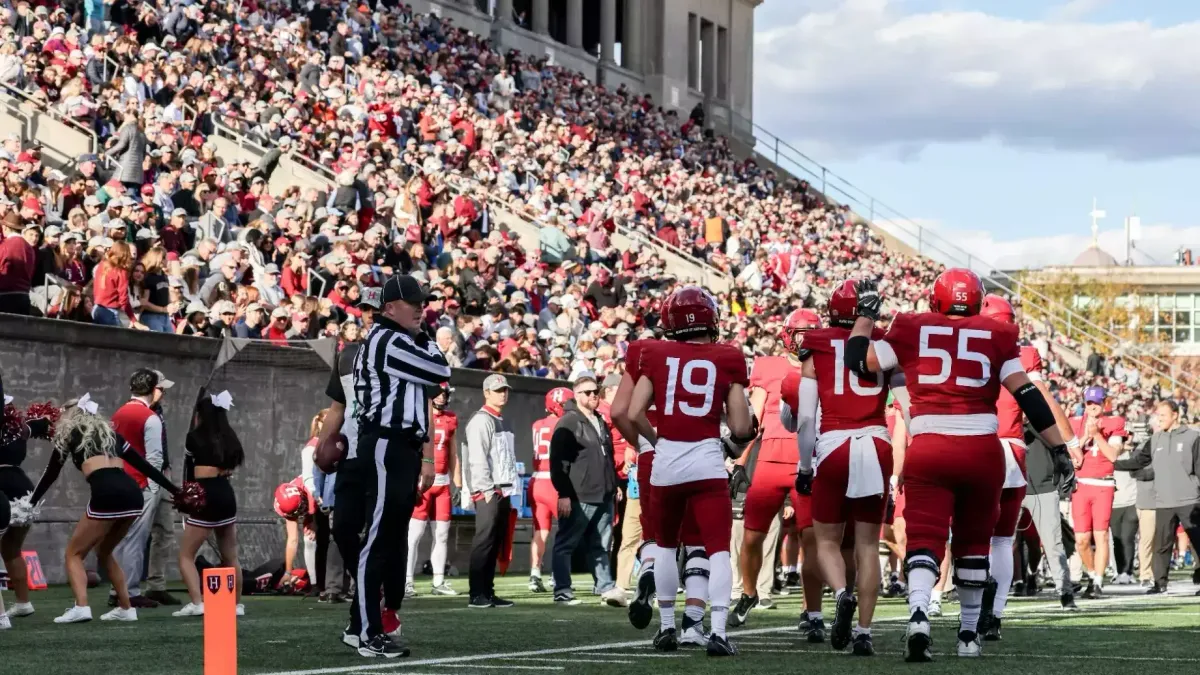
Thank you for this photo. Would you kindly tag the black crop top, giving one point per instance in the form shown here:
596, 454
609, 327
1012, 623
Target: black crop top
14, 453
126, 452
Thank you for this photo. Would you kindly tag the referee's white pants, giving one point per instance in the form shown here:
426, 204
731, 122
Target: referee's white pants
130, 554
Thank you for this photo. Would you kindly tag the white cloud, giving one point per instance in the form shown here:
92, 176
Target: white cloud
860, 76
1157, 246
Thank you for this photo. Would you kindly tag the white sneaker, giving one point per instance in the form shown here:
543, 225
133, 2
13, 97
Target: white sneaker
1123, 579
935, 608
20, 609
118, 614
75, 614
5, 623
765, 603
443, 589
190, 609
694, 636
410, 591
240, 609
970, 648
917, 639
614, 597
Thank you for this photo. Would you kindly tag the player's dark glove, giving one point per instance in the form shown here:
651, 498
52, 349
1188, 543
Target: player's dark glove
804, 481
1064, 471
733, 450
869, 301
738, 481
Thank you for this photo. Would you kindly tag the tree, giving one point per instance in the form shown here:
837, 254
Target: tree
1108, 304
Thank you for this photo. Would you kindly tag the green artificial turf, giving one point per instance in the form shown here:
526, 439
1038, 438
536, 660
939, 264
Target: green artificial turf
1127, 635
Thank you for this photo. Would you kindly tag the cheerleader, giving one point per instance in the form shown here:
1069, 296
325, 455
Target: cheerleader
14, 486
5, 622
89, 441
213, 452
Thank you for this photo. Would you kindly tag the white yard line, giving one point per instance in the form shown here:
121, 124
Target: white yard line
635, 654
553, 658
987, 654
1028, 608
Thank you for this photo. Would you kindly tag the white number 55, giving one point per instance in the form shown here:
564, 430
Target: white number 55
947, 361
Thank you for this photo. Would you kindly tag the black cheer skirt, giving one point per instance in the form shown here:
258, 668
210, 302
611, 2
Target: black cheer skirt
115, 495
220, 504
14, 483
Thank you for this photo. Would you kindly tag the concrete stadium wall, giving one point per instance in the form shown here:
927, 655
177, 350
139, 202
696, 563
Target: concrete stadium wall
276, 391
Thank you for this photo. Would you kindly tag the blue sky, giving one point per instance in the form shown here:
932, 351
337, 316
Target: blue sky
995, 122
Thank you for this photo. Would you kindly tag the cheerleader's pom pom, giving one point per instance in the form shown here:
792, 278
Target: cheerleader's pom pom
23, 511
12, 428
191, 498
41, 418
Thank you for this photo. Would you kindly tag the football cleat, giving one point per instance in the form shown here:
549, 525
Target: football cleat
815, 633
843, 617
917, 640
792, 582
968, 644
349, 639
640, 611
741, 611
536, 585
802, 626
693, 634
719, 645
935, 608
989, 600
992, 634
665, 640
863, 645
383, 646
410, 591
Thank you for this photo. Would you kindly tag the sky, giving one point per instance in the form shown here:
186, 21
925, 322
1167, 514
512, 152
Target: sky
995, 123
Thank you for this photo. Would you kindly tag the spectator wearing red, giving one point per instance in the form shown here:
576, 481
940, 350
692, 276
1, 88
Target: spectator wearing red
110, 288
278, 329
17, 263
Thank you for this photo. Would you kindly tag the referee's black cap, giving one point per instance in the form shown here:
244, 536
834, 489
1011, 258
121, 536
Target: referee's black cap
406, 288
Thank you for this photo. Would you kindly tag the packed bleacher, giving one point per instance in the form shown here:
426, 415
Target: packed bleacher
424, 127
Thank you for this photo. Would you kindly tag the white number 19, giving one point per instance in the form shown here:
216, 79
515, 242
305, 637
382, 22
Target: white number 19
690, 385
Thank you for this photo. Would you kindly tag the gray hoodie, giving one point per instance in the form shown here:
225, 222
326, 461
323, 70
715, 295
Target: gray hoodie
489, 458
1175, 458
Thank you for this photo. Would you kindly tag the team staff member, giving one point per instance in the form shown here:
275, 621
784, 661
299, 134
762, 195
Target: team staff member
1101, 439
1042, 491
137, 423
1174, 453
162, 530
391, 371
489, 477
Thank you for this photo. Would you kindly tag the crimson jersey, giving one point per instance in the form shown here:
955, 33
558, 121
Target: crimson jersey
543, 429
847, 400
1012, 420
768, 374
691, 383
1095, 464
445, 423
952, 366
633, 357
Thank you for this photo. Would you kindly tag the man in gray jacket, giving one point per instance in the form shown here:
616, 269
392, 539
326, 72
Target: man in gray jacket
1174, 454
489, 476
583, 473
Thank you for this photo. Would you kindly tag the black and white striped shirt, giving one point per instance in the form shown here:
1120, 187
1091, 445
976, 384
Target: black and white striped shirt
391, 372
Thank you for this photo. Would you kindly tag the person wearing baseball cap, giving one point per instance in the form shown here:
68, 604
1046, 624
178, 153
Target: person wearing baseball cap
391, 429
489, 478
1101, 438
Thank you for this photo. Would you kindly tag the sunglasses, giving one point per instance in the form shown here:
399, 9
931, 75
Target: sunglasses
589, 392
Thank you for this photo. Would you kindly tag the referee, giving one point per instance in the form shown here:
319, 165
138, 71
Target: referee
390, 459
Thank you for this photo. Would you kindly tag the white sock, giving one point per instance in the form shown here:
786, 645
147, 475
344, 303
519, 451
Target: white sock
536, 572
837, 595
694, 612
970, 600
696, 588
859, 630
416, 530
310, 562
788, 569
720, 587
437, 557
1002, 572
920, 588
666, 581
816, 616
1098, 578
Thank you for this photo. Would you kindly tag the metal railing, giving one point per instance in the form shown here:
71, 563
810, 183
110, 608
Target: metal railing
930, 244
94, 139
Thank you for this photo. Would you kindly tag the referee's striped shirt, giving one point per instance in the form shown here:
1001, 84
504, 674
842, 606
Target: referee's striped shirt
391, 372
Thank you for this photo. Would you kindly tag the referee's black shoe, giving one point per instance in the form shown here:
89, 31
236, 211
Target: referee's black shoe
382, 646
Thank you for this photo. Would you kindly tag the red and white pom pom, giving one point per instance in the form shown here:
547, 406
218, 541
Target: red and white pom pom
191, 498
12, 427
44, 411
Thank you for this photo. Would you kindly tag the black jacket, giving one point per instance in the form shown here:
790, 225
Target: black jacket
581, 458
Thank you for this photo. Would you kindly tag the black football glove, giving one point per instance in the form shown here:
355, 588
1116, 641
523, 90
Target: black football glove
804, 481
739, 481
869, 301
1064, 471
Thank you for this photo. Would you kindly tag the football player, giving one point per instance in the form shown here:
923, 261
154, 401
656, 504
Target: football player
690, 379
1091, 505
854, 454
436, 501
954, 362
775, 477
542, 494
1012, 436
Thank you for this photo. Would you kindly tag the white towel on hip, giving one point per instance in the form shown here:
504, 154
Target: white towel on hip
865, 477
1013, 476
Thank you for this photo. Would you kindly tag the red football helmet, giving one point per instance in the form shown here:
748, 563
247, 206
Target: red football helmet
555, 398
843, 304
797, 322
996, 307
689, 312
957, 291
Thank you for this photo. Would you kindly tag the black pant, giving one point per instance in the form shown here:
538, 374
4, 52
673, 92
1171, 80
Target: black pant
491, 524
1165, 521
1124, 531
15, 303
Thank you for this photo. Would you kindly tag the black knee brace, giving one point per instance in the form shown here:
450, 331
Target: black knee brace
971, 571
922, 558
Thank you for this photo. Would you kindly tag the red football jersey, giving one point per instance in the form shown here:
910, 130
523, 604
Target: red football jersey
952, 366
1095, 464
848, 401
1012, 420
620, 445
768, 373
445, 423
691, 382
633, 357
543, 429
